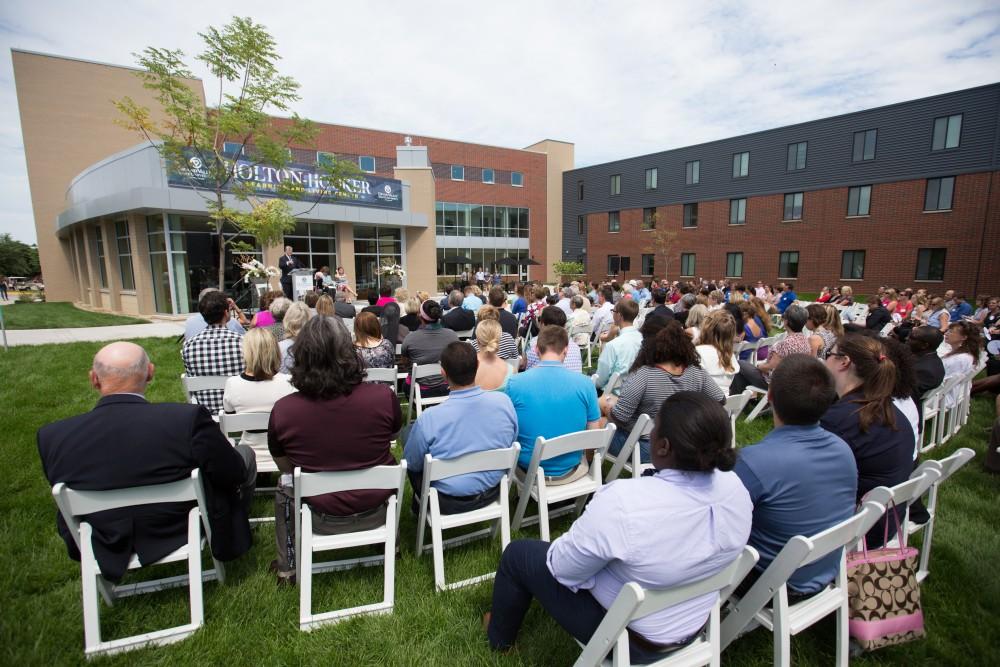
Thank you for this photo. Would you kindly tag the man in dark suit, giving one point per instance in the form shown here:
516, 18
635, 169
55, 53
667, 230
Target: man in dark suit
924, 342
126, 442
660, 306
458, 318
287, 263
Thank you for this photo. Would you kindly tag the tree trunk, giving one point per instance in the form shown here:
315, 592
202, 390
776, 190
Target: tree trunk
220, 231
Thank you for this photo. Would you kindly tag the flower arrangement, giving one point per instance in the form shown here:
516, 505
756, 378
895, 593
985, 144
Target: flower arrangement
390, 270
256, 269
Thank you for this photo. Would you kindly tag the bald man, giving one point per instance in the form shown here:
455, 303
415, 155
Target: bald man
126, 441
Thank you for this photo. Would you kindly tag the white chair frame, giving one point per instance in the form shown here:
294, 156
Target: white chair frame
735, 405
533, 485
929, 418
431, 516
74, 503
386, 375
629, 458
194, 383
238, 422
634, 602
318, 483
417, 401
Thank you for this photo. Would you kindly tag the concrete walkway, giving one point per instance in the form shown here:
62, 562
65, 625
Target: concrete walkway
86, 334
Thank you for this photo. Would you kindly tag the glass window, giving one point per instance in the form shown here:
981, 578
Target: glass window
316, 246
692, 172
859, 200
738, 211
614, 265
124, 244
864, 145
325, 158
579, 190
516, 179
690, 215
461, 219
648, 218
489, 176
232, 148
852, 265
651, 175
367, 163
616, 184
158, 264
614, 221
102, 270
793, 206
741, 165
788, 264
647, 265
930, 263
734, 265
581, 225
489, 221
947, 132
687, 264
938, 194
797, 156
476, 215
457, 172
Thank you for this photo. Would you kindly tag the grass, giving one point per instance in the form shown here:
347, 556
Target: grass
250, 621
59, 315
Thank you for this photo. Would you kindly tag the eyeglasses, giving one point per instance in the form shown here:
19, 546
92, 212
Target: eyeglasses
836, 354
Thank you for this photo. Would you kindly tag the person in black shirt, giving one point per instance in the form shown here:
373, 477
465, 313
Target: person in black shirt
458, 318
924, 342
878, 315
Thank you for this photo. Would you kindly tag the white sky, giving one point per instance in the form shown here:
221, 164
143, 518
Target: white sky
615, 78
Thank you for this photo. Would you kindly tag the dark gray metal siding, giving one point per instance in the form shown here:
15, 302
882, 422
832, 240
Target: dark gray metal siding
903, 152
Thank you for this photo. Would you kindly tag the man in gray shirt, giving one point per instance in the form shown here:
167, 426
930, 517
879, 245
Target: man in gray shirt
425, 345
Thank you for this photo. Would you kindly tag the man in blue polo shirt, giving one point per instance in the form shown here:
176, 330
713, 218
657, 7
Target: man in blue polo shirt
787, 298
471, 420
961, 309
551, 401
802, 479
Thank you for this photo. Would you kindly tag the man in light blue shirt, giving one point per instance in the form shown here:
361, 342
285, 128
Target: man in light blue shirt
551, 401
618, 355
195, 324
641, 293
471, 420
787, 298
471, 301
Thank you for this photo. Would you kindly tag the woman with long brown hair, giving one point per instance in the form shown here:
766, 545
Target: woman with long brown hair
865, 417
716, 347
373, 350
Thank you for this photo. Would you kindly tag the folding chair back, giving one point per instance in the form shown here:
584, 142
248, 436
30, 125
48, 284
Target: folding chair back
239, 422
387, 375
734, 406
465, 334
430, 507
630, 450
633, 602
929, 415
417, 401
515, 365
308, 484
947, 467
614, 382
74, 504
196, 383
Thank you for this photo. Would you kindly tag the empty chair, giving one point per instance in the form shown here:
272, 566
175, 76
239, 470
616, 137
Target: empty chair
948, 466
317, 483
629, 456
634, 602
74, 504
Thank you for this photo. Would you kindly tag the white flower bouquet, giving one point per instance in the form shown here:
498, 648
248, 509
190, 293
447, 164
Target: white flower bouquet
255, 269
390, 270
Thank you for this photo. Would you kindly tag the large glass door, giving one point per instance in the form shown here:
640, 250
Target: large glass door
373, 246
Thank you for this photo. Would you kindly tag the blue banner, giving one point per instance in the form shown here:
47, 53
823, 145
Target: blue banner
364, 190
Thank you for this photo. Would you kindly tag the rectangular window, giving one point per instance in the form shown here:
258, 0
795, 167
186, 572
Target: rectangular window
938, 194
614, 221
101, 269
579, 190
738, 211
930, 264
647, 265
648, 218
793, 206
614, 265
232, 148
864, 145
859, 200
734, 265
690, 215
687, 264
457, 172
741, 165
367, 164
616, 184
651, 175
581, 225
517, 179
947, 132
788, 264
692, 172
626, 264
797, 156
852, 265
489, 176
124, 245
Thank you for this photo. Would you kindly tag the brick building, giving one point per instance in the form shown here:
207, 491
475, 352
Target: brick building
903, 195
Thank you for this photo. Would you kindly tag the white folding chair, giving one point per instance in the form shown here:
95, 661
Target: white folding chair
629, 458
386, 375
761, 405
196, 383
308, 484
348, 324
584, 347
784, 619
498, 512
613, 383
930, 414
633, 602
417, 401
533, 485
948, 410
75, 505
748, 345
947, 467
464, 335
735, 405
921, 480
515, 364
238, 422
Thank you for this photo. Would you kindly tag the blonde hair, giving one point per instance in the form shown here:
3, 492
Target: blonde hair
847, 290
402, 294
719, 330
412, 305
833, 322
423, 296
696, 315
488, 336
487, 313
261, 354
324, 306
296, 318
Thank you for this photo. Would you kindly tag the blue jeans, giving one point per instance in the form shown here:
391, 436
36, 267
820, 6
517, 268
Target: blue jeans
618, 441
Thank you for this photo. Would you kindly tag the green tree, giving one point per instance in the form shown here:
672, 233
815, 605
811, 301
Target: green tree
241, 57
17, 258
568, 270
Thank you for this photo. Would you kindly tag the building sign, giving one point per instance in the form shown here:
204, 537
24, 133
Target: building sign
364, 190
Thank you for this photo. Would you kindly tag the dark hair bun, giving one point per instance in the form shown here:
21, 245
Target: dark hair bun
725, 459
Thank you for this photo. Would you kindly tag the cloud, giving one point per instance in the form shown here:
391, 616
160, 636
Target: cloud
617, 79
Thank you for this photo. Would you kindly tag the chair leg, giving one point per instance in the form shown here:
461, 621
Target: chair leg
759, 408
194, 569
504, 513
524, 495
389, 585
543, 508
437, 541
89, 574
304, 567
843, 641
782, 635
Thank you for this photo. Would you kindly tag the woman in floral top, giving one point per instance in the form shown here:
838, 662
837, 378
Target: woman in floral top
374, 350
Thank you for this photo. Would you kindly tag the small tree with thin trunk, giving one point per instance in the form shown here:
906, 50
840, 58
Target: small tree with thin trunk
662, 241
191, 139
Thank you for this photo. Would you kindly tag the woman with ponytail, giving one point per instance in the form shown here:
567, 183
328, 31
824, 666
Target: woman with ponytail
876, 430
493, 372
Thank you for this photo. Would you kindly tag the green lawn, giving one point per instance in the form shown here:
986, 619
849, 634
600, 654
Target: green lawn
250, 621
59, 315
